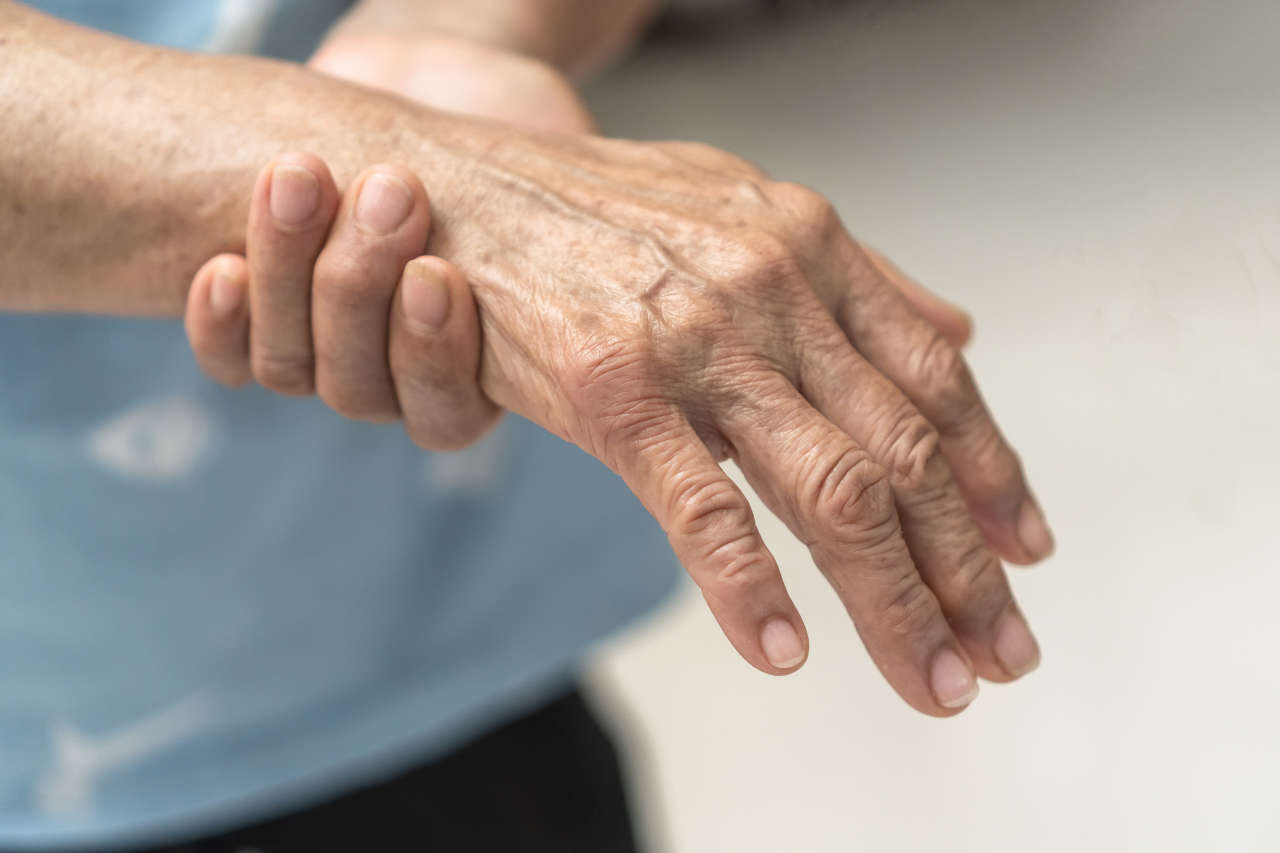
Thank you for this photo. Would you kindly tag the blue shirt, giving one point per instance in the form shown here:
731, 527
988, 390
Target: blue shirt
216, 604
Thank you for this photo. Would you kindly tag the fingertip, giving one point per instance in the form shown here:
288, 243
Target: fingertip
952, 680
199, 289
216, 319
425, 295
784, 645
1015, 647
434, 353
387, 197
1021, 536
218, 288
228, 287
1033, 531
295, 193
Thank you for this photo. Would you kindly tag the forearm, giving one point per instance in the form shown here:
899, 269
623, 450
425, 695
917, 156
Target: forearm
124, 167
572, 35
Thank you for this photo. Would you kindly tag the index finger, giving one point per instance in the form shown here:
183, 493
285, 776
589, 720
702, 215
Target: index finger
713, 532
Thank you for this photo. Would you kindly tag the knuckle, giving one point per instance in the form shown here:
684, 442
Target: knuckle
702, 506
713, 514
613, 402
978, 581
284, 373
766, 259
944, 377
910, 608
601, 374
739, 566
809, 210
913, 453
375, 405
854, 501
702, 337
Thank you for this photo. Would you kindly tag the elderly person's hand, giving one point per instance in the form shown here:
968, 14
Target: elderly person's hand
432, 334
422, 366
666, 306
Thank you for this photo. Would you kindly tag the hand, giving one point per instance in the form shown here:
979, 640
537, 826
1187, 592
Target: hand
665, 306
428, 375
740, 310
404, 340
448, 73
434, 361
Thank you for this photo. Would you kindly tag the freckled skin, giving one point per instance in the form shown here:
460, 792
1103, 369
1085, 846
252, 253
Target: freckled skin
662, 305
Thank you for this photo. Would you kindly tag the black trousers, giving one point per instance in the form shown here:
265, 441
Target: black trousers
549, 781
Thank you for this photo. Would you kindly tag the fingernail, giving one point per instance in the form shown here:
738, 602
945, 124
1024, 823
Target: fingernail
295, 195
426, 296
1033, 531
225, 294
953, 683
1015, 647
384, 203
781, 643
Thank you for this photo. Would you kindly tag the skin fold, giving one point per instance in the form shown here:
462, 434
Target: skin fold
662, 305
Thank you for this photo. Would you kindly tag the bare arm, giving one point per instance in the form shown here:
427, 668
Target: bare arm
123, 167
661, 305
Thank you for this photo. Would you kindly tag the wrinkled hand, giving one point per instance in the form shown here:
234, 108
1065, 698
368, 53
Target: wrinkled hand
255, 316
435, 367
665, 306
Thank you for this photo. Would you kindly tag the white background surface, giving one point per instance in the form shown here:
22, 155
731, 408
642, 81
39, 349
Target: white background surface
1099, 182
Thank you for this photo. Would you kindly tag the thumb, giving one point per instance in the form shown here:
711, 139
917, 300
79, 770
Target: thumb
434, 352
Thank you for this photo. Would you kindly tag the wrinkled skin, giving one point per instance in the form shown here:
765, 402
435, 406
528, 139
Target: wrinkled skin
424, 375
665, 306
